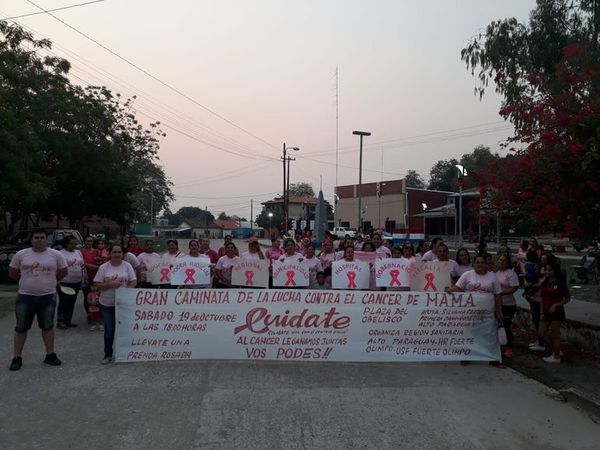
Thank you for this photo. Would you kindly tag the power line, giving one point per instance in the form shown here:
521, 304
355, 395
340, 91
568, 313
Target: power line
53, 10
227, 198
155, 78
137, 92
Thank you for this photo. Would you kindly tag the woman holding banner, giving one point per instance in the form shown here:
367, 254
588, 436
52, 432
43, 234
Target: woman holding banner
463, 259
111, 276
224, 266
172, 251
479, 280
290, 251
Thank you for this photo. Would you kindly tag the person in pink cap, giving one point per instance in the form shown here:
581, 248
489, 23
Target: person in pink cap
254, 251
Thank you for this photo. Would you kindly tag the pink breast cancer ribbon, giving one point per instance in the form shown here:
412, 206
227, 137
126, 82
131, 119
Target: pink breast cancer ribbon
290, 278
429, 277
249, 276
351, 277
164, 274
189, 276
395, 281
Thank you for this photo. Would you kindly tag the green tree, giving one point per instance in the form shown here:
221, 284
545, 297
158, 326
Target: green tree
443, 176
301, 190
189, 212
70, 151
414, 180
263, 220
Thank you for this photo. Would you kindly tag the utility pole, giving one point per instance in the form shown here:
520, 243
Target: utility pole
251, 216
286, 184
336, 126
284, 190
361, 134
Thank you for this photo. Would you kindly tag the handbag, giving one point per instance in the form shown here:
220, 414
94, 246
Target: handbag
501, 334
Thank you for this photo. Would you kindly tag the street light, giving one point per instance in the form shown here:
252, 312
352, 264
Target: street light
361, 134
270, 224
286, 185
462, 172
424, 206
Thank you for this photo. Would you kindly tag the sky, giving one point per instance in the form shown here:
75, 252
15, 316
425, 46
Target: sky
233, 80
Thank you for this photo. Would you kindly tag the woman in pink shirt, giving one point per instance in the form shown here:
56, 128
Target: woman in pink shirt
111, 276
274, 252
75, 267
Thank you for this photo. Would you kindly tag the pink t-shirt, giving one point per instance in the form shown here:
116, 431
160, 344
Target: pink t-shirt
38, 270
473, 282
225, 265
75, 266
508, 278
123, 273
273, 253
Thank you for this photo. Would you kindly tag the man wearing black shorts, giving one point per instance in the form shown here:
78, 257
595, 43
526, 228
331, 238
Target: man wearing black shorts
37, 269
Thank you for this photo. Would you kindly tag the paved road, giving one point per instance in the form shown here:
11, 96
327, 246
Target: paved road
228, 404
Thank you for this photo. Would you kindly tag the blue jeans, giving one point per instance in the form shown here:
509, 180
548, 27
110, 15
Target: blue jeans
108, 317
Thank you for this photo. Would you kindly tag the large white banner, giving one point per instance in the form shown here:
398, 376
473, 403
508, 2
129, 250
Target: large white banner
304, 325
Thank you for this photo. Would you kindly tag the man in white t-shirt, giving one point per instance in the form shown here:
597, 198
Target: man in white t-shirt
38, 270
146, 258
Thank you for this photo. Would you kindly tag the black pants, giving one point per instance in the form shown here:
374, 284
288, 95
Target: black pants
508, 313
66, 303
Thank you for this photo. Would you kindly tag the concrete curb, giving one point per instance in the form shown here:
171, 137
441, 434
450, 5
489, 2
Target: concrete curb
584, 400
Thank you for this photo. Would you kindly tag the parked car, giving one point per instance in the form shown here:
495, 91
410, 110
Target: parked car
22, 240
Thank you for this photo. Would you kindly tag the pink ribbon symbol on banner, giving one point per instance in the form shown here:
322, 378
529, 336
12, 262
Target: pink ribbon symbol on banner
189, 276
249, 275
351, 277
395, 281
429, 277
290, 278
164, 274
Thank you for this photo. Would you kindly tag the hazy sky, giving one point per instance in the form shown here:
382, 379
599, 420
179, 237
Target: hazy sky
268, 66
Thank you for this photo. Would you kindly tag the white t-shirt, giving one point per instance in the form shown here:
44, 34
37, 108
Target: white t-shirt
75, 266
452, 268
473, 282
314, 266
248, 255
38, 270
462, 269
123, 273
225, 265
326, 259
292, 258
171, 258
429, 256
145, 259
383, 252
131, 259
508, 278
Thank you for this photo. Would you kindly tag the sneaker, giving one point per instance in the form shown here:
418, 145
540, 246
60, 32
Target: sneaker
536, 347
551, 359
100, 327
107, 360
61, 326
72, 325
508, 352
16, 363
93, 328
52, 360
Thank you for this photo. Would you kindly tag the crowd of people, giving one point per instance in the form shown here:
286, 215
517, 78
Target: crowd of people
99, 269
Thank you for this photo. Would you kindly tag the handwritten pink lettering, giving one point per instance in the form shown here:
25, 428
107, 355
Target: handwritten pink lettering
258, 320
